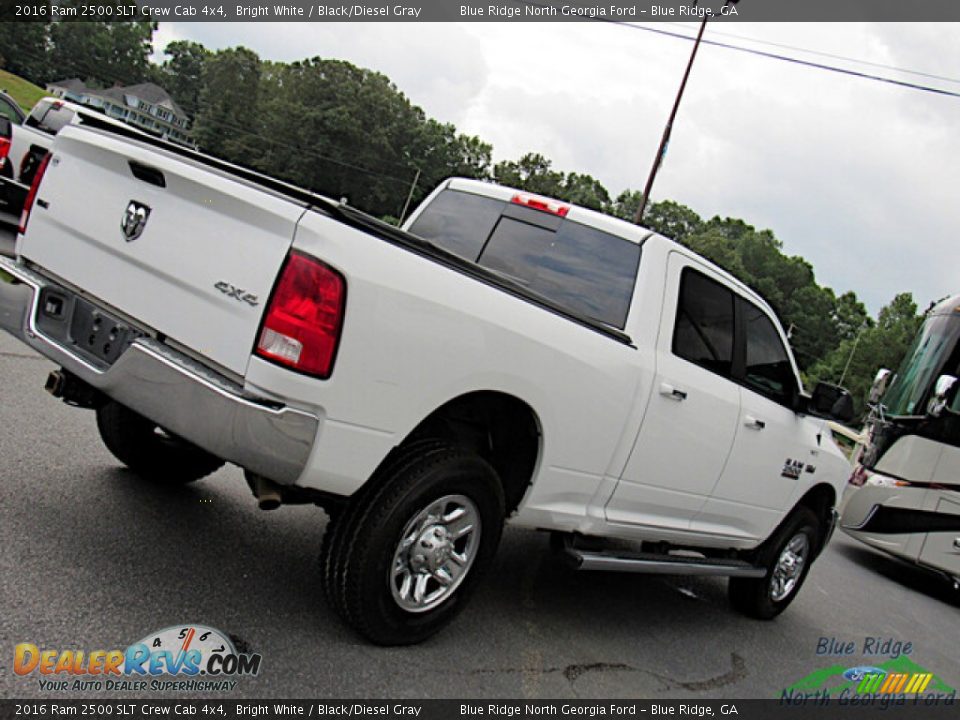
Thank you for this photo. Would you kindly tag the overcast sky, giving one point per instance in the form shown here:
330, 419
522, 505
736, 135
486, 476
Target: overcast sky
859, 177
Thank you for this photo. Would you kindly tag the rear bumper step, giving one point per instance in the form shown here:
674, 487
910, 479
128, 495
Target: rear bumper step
654, 564
174, 391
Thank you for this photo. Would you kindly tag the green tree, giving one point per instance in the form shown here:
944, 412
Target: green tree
439, 152
101, 53
228, 122
855, 361
667, 217
586, 191
626, 204
181, 74
25, 51
533, 173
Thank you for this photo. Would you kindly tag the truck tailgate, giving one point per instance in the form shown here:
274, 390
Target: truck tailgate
201, 266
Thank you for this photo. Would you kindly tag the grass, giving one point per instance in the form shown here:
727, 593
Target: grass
25, 93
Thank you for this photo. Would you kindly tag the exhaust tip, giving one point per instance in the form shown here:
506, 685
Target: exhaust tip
271, 502
269, 495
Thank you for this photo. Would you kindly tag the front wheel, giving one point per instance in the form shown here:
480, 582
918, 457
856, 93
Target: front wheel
787, 557
404, 559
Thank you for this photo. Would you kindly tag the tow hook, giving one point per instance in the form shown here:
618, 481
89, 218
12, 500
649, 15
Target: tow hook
56, 382
72, 390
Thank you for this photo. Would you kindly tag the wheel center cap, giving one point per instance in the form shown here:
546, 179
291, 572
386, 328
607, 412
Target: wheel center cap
431, 550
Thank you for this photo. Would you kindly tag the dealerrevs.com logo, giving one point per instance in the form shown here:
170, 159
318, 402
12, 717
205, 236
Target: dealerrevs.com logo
183, 658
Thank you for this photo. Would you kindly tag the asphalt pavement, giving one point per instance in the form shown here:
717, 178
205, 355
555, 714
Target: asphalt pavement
94, 558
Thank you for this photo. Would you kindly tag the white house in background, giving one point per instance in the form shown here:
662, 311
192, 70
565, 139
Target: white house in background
147, 106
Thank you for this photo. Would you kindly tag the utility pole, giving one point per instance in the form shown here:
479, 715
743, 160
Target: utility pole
665, 139
406, 205
853, 350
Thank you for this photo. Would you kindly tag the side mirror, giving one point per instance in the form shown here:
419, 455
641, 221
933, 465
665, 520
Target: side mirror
5, 127
944, 393
832, 401
879, 387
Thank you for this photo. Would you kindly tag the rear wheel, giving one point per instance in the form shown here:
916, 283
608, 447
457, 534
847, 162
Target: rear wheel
150, 451
402, 561
787, 557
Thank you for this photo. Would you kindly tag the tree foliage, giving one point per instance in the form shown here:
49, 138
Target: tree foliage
98, 52
181, 74
856, 359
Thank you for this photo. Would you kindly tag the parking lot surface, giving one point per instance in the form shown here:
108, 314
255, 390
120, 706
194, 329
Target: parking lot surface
94, 558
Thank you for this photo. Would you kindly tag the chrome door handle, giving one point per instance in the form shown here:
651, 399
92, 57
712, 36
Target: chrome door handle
671, 392
956, 543
754, 423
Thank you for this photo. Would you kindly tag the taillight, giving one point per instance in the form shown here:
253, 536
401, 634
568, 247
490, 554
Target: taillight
541, 203
32, 195
302, 324
4, 149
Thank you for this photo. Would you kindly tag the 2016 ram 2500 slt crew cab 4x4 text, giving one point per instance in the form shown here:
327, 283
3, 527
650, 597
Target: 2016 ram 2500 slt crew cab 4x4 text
510, 357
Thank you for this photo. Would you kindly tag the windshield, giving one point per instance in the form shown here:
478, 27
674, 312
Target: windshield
924, 362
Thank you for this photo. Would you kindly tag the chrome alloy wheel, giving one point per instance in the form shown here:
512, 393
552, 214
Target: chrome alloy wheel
789, 567
436, 549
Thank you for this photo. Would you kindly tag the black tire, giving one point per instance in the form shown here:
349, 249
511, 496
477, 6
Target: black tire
332, 555
755, 597
151, 453
361, 542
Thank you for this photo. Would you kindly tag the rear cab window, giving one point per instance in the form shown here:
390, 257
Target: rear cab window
49, 117
584, 270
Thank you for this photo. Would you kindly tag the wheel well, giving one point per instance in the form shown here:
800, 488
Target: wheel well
499, 427
821, 499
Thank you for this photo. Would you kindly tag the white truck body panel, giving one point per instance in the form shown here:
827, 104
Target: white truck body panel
618, 456
203, 229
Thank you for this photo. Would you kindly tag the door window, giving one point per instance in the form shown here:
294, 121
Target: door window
703, 333
10, 112
767, 367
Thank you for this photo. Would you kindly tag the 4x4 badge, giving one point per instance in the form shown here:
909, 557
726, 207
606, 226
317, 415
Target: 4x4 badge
134, 220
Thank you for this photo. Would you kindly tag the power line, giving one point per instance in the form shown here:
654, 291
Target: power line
832, 56
795, 61
770, 55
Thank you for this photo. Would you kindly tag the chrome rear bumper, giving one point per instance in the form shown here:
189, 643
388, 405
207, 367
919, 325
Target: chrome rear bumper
179, 394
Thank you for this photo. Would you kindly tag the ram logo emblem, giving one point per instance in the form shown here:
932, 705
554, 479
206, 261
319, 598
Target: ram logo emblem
134, 220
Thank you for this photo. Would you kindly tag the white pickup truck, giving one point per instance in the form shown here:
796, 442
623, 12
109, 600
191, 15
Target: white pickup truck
503, 357
30, 140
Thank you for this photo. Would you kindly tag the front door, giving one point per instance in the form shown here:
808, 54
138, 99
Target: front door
774, 447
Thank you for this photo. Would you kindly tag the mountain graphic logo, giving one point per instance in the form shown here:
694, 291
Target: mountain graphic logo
895, 676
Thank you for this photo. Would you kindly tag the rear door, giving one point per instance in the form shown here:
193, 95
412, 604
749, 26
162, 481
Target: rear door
692, 413
185, 250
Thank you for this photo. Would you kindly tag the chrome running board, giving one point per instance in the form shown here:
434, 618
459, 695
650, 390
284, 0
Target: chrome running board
654, 564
